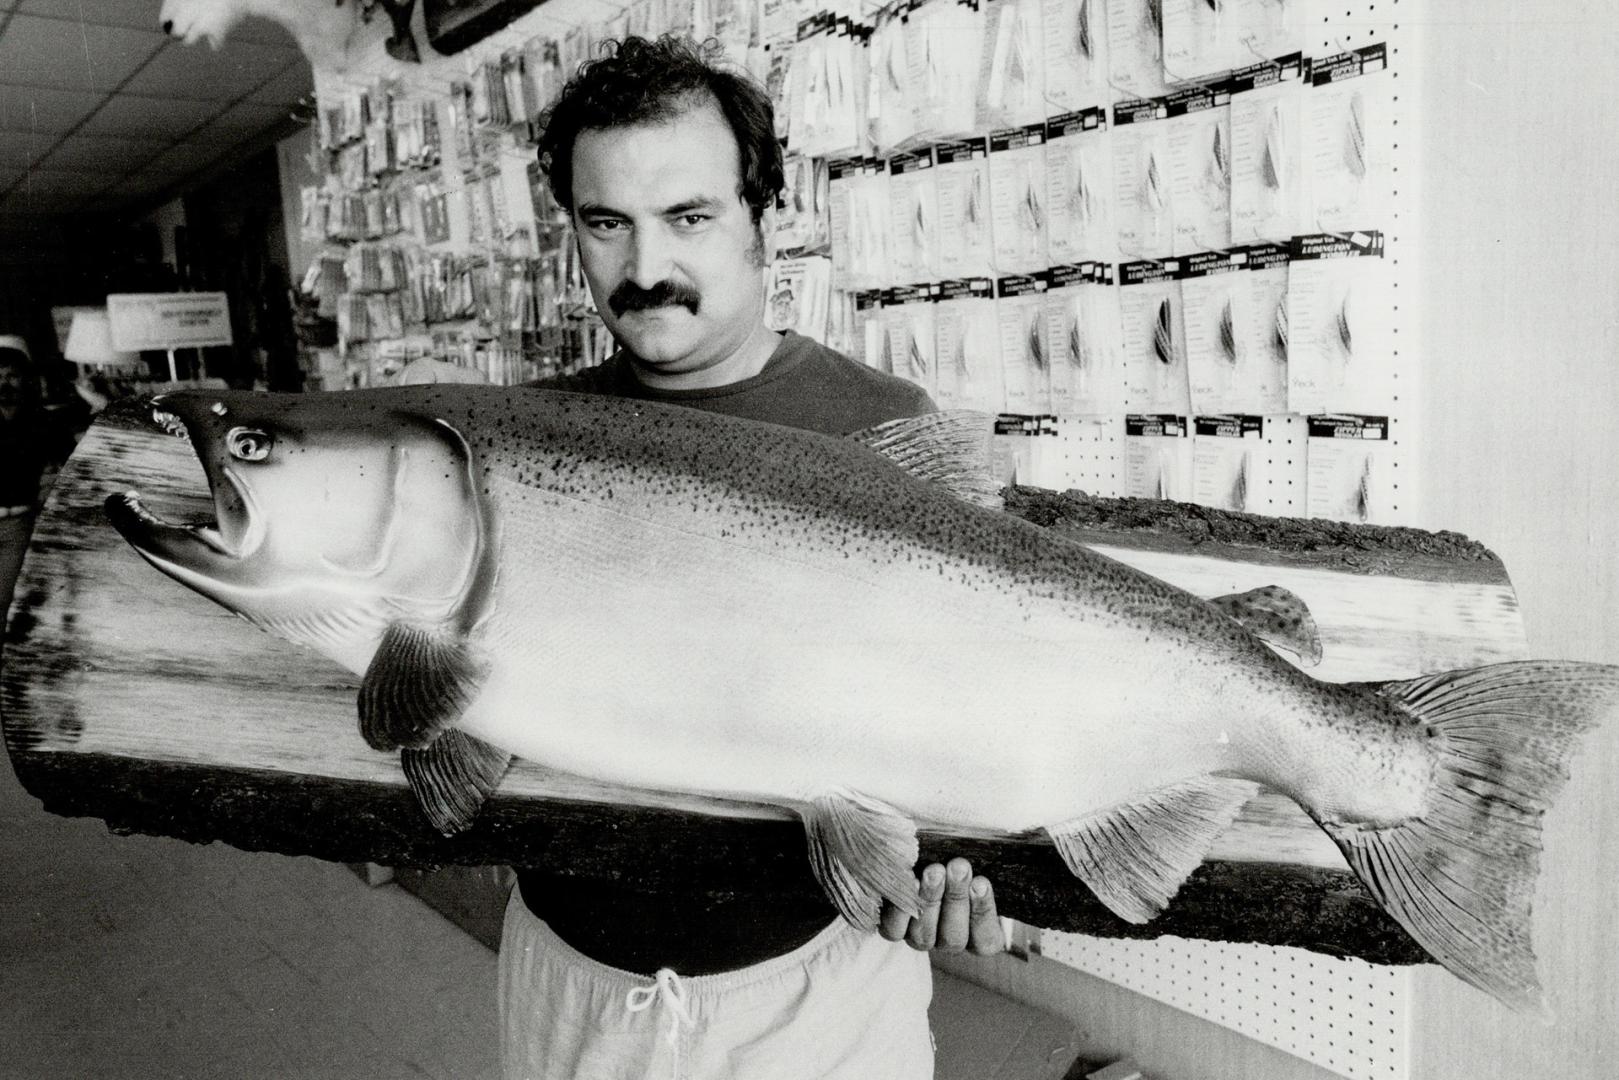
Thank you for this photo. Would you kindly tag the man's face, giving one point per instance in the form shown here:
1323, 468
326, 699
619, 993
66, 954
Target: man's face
12, 377
669, 248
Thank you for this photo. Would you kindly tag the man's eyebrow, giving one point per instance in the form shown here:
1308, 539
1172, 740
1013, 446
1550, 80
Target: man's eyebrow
702, 202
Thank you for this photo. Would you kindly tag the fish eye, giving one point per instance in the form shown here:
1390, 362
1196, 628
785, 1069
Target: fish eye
248, 444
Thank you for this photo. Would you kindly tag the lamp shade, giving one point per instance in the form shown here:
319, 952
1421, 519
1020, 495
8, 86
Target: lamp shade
89, 342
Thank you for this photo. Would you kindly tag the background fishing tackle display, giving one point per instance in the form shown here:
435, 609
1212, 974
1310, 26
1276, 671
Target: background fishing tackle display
1340, 353
1157, 457
1350, 479
967, 346
1152, 314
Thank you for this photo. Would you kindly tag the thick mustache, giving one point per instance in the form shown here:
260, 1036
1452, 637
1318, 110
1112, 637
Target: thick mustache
631, 297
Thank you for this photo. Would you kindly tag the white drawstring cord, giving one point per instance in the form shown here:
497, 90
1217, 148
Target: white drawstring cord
668, 989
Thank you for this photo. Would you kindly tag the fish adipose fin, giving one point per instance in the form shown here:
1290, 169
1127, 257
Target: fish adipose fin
863, 852
452, 777
949, 448
1461, 878
1135, 856
418, 684
1276, 617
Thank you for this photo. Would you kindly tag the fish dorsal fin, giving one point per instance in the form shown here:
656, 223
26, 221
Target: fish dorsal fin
862, 852
949, 448
452, 777
1277, 617
419, 682
1136, 855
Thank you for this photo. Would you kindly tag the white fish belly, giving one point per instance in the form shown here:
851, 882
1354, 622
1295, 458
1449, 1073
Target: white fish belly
650, 655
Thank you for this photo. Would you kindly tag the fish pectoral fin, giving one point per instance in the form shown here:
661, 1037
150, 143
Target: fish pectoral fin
862, 852
418, 684
1135, 856
950, 448
1276, 617
452, 776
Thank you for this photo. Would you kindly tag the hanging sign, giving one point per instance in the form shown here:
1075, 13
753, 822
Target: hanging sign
168, 320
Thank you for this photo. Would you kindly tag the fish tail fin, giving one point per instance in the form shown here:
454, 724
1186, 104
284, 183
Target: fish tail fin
1461, 877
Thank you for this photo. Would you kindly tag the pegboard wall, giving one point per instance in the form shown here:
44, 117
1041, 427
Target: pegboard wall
1118, 405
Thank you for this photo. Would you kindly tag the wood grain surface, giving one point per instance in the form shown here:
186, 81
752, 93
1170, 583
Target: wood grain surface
130, 698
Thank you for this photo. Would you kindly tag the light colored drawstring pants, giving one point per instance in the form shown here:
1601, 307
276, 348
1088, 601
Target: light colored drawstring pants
843, 1006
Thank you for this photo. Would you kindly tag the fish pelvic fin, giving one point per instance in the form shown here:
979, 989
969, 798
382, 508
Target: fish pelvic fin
1135, 856
1461, 878
862, 852
452, 777
951, 448
419, 683
1276, 617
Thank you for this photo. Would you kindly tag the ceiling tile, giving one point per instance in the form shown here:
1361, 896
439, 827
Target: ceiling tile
27, 108
70, 55
134, 115
103, 153
248, 118
32, 203
140, 14
21, 149
206, 74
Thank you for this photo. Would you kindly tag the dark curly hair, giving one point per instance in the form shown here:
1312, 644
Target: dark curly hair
637, 81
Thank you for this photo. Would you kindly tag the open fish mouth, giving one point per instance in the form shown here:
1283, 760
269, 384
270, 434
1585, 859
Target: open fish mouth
234, 534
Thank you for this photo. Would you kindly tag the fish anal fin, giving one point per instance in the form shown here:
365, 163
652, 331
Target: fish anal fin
1276, 617
452, 776
951, 448
1136, 855
417, 685
1461, 876
862, 852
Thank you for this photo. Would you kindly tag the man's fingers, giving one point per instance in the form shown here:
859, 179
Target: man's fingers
922, 930
986, 936
893, 922
954, 911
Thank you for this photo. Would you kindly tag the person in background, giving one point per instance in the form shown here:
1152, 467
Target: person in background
668, 165
31, 450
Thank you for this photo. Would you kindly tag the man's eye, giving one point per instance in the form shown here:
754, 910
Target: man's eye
606, 225
692, 220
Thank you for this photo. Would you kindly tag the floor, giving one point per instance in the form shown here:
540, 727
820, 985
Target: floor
143, 957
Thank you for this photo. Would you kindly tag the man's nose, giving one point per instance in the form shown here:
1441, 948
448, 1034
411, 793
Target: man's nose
648, 257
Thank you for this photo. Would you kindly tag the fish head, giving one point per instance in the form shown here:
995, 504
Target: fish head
334, 514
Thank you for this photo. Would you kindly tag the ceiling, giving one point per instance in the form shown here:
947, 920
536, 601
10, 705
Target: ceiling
100, 111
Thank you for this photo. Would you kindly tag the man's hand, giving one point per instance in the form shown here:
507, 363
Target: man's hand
958, 912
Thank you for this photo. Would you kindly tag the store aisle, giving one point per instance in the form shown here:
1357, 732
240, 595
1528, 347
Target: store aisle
125, 957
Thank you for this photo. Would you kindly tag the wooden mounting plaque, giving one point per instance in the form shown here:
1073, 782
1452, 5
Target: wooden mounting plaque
132, 699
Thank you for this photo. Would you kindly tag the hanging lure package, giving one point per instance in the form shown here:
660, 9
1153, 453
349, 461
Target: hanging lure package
1199, 39
1198, 126
1014, 59
1347, 141
892, 98
798, 296
949, 36
803, 220
1075, 40
1020, 316
1260, 323
1142, 206
911, 340
1083, 339
967, 346
859, 222
1135, 48
1157, 457
1211, 284
964, 239
1340, 346
1351, 474
1150, 312
1017, 176
1267, 156
1079, 188
1228, 461
913, 217
824, 94
866, 328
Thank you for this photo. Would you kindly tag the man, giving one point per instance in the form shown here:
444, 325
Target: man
670, 169
30, 452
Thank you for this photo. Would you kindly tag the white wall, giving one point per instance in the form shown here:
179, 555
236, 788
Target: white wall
1520, 307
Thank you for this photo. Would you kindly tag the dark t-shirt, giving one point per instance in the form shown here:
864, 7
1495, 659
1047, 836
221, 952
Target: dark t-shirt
725, 924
